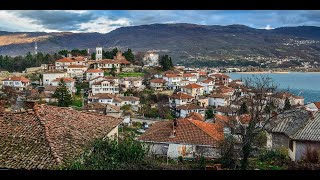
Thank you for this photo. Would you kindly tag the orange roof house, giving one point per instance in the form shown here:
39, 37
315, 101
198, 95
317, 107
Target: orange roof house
187, 131
15, 78
193, 86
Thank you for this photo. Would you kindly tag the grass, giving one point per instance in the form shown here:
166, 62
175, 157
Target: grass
266, 165
77, 101
131, 74
107, 73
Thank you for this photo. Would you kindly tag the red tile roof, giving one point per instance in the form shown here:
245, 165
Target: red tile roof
189, 75
245, 118
207, 81
172, 75
193, 86
64, 79
189, 107
317, 104
15, 78
188, 131
202, 73
48, 135
180, 95
94, 71
221, 76
65, 60
195, 116
158, 80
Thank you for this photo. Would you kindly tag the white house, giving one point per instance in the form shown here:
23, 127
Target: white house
63, 63
49, 76
171, 139
192, 78
184, 110
194, 89
70, 83
179, 99
131, 83
76, 71
172, 80
315, 106
208, 85
16, 82
118, 101
105, 86
93, 73
157, 84
218, 100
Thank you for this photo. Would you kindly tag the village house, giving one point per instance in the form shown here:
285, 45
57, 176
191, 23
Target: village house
131, 83
118, 62
218, 100
280, 98
19, 83
169, 139
315, 106
70, 83
118, 101
51, 136
49, 76
221, 79
184, 110
192, 78
179, 99
226, 111
194, 90
93, 73
63, 63
172, 80
105, 86
157, 84
76, 71
203, 101
208, 85
295, 130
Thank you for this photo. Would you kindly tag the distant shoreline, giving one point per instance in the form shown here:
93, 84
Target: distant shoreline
268, 72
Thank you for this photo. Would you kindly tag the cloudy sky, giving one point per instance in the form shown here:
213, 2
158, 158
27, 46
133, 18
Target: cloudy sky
106, 21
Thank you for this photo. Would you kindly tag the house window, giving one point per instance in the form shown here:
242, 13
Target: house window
291, 145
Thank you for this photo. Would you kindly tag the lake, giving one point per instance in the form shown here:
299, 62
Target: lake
299, 83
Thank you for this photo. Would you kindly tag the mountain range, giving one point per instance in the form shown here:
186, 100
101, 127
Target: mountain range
184, 42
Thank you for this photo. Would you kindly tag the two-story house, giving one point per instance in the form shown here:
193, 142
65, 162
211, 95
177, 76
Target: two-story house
70, 83
76, 71
93, 73
49, 76
179, 99
194, 89
157, 84
105, 86
19, 83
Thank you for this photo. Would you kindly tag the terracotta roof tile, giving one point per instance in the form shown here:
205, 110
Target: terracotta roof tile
193, 86
64, 79
189, 75
189, 107
94, 71
195, 116
76, 66
48, 135
15, 78
65, 60
188, 131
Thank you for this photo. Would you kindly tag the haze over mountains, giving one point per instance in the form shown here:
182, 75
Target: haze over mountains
181, 41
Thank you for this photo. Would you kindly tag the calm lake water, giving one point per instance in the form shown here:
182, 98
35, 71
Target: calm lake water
298, 83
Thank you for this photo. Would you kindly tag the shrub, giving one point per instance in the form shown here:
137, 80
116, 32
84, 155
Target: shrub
277, 155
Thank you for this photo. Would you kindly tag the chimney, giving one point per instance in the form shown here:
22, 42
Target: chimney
173, 133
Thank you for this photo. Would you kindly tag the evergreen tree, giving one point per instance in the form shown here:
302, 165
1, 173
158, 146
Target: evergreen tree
287, 104
243, 108
93, 56
63, 95
63, 52
166, 63
129, 55
114, 52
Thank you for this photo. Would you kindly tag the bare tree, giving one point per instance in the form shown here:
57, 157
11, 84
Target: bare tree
262, 110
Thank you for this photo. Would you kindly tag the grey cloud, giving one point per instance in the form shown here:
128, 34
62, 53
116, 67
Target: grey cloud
58, 20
